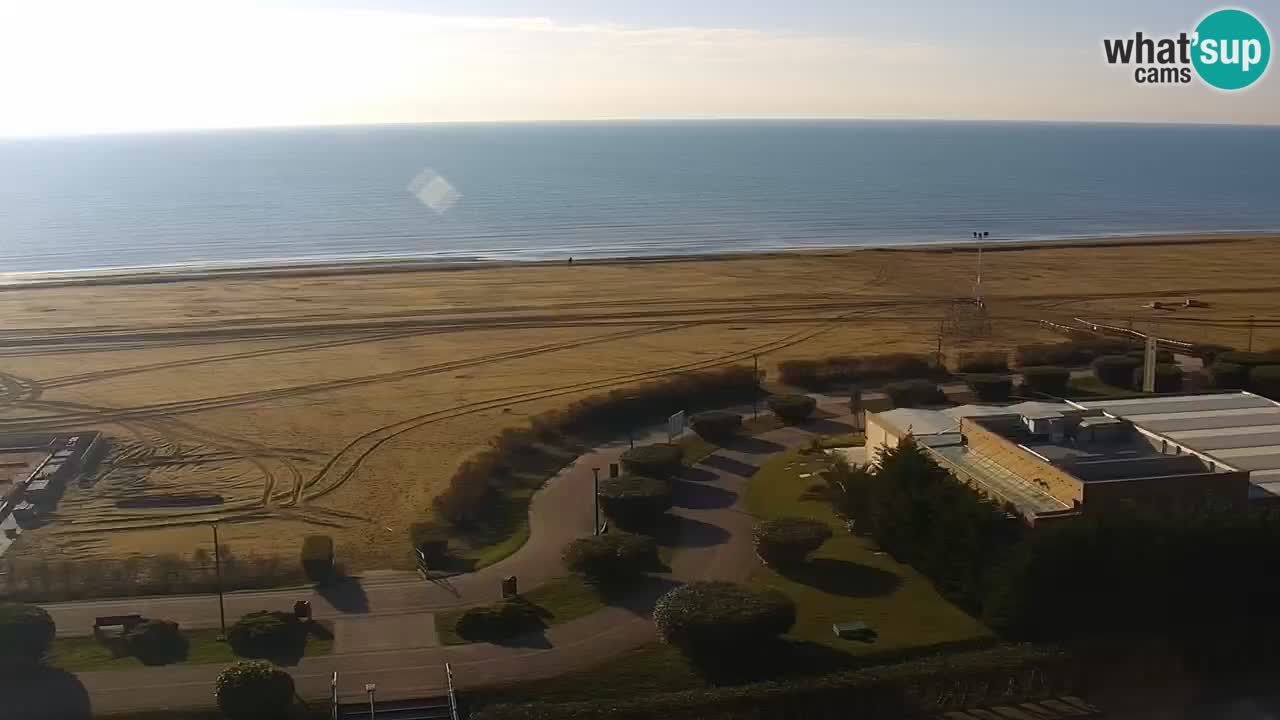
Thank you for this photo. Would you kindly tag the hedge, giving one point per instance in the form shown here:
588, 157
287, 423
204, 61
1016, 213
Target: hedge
722, 616
430, 538
983, 362
1162, 356
913, 393
716, 425
317, 558
26, 631
656, 460
1265, 380
156, 642
792, 408
1070, 353
1168, 378
469, 499
927, 686
1047, 380
635, 502
1228, 376
253, 689
266, 634
1116, 370
990, 388
820, 374
493, 623
612, 558
1248, 359
787, 542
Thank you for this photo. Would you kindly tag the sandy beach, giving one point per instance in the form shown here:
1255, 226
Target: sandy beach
267, 385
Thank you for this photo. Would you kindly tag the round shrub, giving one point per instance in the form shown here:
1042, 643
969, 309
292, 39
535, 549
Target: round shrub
1047, 379
1265, 380
1116, 370
716, 425
792, 408
492, 623
1229, 376
990, 388
913, 393
317, 558
657, 460
722, 616
634, 502
156, 642
26, 631
266, 634
253, 689
787, 542
612, 558
1168, 378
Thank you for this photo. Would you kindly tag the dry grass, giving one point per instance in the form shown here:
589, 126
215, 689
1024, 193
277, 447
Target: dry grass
248, 388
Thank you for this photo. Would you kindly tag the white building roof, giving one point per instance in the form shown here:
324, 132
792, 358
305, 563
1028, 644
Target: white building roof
1239, 430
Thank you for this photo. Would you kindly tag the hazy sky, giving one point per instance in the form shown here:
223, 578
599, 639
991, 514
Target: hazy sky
74, 66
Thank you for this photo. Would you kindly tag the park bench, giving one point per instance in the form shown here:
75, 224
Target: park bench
854, 631
103, 623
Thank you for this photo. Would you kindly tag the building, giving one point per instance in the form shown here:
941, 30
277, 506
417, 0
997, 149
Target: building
1052, 460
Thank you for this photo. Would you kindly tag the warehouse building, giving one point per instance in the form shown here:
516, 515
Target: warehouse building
1051, 460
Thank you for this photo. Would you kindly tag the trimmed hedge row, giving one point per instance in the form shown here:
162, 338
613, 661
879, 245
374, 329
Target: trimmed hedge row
787, 542
657, 460
156, 642
792, 408
612, 558
253, 689
1265, 380
923, 687
722, 617
266, 634
1228, 375
498, 622
1168, 377
1116, 370
824, 373
986, 362
1069, 353
635, 502
26, 631
990, 388
470, 494
1047, 379
1249, 359
716, 425
913, 393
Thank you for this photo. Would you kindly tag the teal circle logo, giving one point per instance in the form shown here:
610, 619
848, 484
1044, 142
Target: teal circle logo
1232, 49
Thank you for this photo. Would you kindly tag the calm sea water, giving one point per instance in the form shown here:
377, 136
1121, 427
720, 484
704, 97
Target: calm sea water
625, 189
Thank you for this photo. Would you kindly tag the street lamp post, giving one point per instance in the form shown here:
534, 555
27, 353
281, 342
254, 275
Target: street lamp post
595, 500
370, 688
217, 572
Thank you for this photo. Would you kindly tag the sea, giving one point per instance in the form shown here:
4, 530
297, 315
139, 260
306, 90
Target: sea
483, 192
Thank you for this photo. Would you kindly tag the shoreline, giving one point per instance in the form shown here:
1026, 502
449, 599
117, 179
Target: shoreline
301, 267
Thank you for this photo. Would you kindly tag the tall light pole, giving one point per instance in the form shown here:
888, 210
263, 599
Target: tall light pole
217, 573
370, 688
595, 500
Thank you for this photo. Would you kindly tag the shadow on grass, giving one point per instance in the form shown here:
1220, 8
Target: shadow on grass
39, 692
841, 577
697, 496
346, 595
696, 474
729, 465
751, 445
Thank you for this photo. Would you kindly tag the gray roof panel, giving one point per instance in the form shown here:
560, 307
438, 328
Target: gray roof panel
1205, 422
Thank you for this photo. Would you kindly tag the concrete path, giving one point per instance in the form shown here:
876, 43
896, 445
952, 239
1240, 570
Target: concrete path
384, 625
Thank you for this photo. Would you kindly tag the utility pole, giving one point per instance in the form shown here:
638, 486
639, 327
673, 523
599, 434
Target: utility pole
595, 500
371, 688
217, 572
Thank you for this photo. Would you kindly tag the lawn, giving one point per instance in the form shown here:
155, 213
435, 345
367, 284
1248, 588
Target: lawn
82, 654
848, 579
559, 601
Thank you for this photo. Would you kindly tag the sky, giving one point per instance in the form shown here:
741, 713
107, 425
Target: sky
88, 66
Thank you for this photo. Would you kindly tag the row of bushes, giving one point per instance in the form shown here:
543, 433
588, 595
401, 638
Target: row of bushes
1262, 379
53, 580
1126, 371
1069, 353
471, 490
923, 687
843, 370
27, 633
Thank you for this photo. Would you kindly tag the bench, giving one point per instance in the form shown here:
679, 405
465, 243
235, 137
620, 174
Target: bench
124, 622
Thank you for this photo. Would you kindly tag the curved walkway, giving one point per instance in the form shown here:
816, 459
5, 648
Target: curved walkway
714, 542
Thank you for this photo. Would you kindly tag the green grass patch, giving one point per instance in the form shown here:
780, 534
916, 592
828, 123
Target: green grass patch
843, 440
848, 579
83, 654
559, 601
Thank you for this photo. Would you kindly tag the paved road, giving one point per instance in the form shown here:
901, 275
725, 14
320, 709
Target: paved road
391, 615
